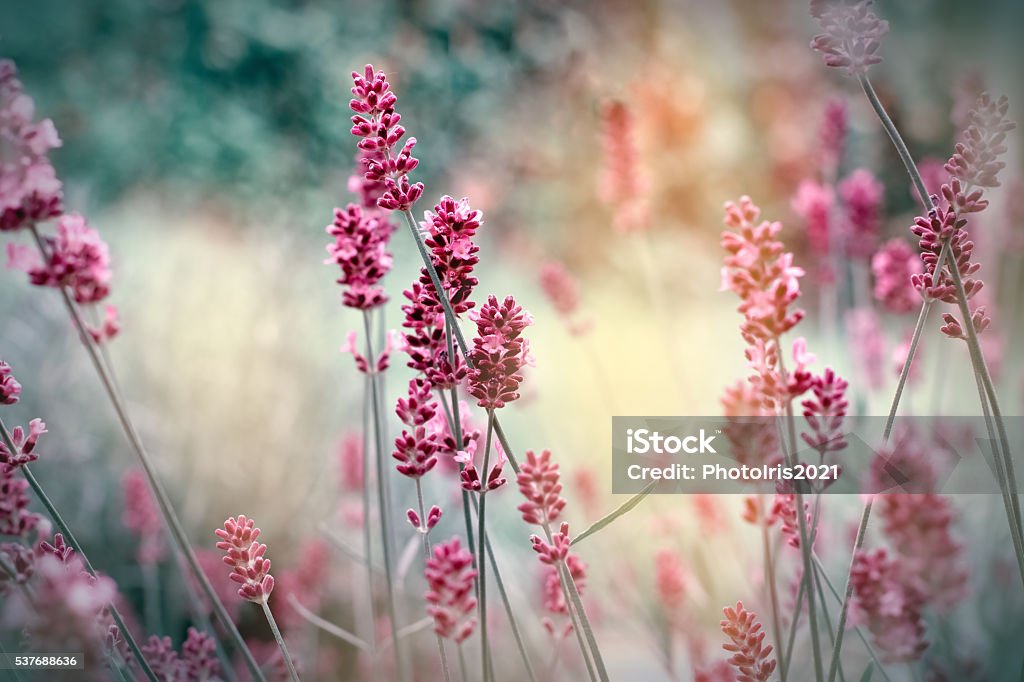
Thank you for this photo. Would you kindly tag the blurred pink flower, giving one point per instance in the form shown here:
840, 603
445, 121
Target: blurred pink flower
306, 581
562, 291
554, 597
378, 125
108, 328
750, 655
76, 258
142, 517
624, 185
10, 389
813, 202
894, 266
867, 346
862, 194
851, 34
825, 413
832, 135
670, 582
245, 557
884, 604
499, 352
29, 189
24, 444
450, 598
899, 359
350, 462
15, 519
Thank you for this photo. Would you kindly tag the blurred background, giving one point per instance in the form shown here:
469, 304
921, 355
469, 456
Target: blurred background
208, 142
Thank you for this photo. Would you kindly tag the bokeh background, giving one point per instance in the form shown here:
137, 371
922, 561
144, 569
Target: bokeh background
208, 141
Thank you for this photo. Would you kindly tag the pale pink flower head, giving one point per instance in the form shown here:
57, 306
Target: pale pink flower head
10, 389
976, 159
832, 134
29, 189
245, 557
499, 352
825, 413
894, 266
813, 202
889, 609
851, 34
624, 184
867, 346
350, 462
751, 657
539, 482
24, 444
142, 517
862, 194
671, 581
77, 258
450, 597
562, 290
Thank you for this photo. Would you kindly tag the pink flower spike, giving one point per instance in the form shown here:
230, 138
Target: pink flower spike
750, 655
245, 557
142, 517
450, 596
10, 389
77, 258
851, 34
539, 482
499, 352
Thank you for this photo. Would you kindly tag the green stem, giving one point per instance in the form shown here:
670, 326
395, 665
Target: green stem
69, 537
382, 498
769, 569
280, 640
844, 612
485, 645
367, 528
163, 500
456, 426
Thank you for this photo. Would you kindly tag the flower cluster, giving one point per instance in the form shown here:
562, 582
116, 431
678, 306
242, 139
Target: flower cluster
245, 557
10, 389
29, 188
24, 444
894, 265
973, 167
539, 482
15, 518
862, 194
851, 34
919, 529
759, 270
750, 655
448, 234
784, 511
76, 258
562, 290
499, 352
814, 202
867, 343
752, 441
426, 341
360, 249
886, 606
197, 661
623, 185
825, 413
142, 517
416, 448
379, 126
450, 598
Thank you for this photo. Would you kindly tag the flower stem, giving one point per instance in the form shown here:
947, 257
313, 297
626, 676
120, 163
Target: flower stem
426, 556
773, 592
367, 529
163, 501
280, 640
382, 498
485, 645
844, 612
456, 425
73, 542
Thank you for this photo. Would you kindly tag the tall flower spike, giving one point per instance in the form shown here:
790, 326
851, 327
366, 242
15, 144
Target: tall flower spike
851, 34
813, 202
623, 185
77, 258
29, 188
890, 610
417, 447
245, 557
862, 194
450, 599
563, 291
360, 250
378, 125
426, 341
10, 389
15, 518
539, 483
499, 352
825, 413
448, 234
750, 655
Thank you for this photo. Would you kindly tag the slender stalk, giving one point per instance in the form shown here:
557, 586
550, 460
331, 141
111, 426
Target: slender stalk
280, 640
462, 663
828, 617
791, 640
461, 340
73, 542
844, 612
769, 569
385, 523
481, 524
426, 556
367, 529
456, 425
163, 500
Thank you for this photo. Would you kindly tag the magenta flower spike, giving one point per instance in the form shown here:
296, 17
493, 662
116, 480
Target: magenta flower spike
245, 557
889, 609
751, 657
450, 597
499, 352
360, 249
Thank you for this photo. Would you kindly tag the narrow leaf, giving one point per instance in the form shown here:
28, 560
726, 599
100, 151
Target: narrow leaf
624, 509
866, 677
